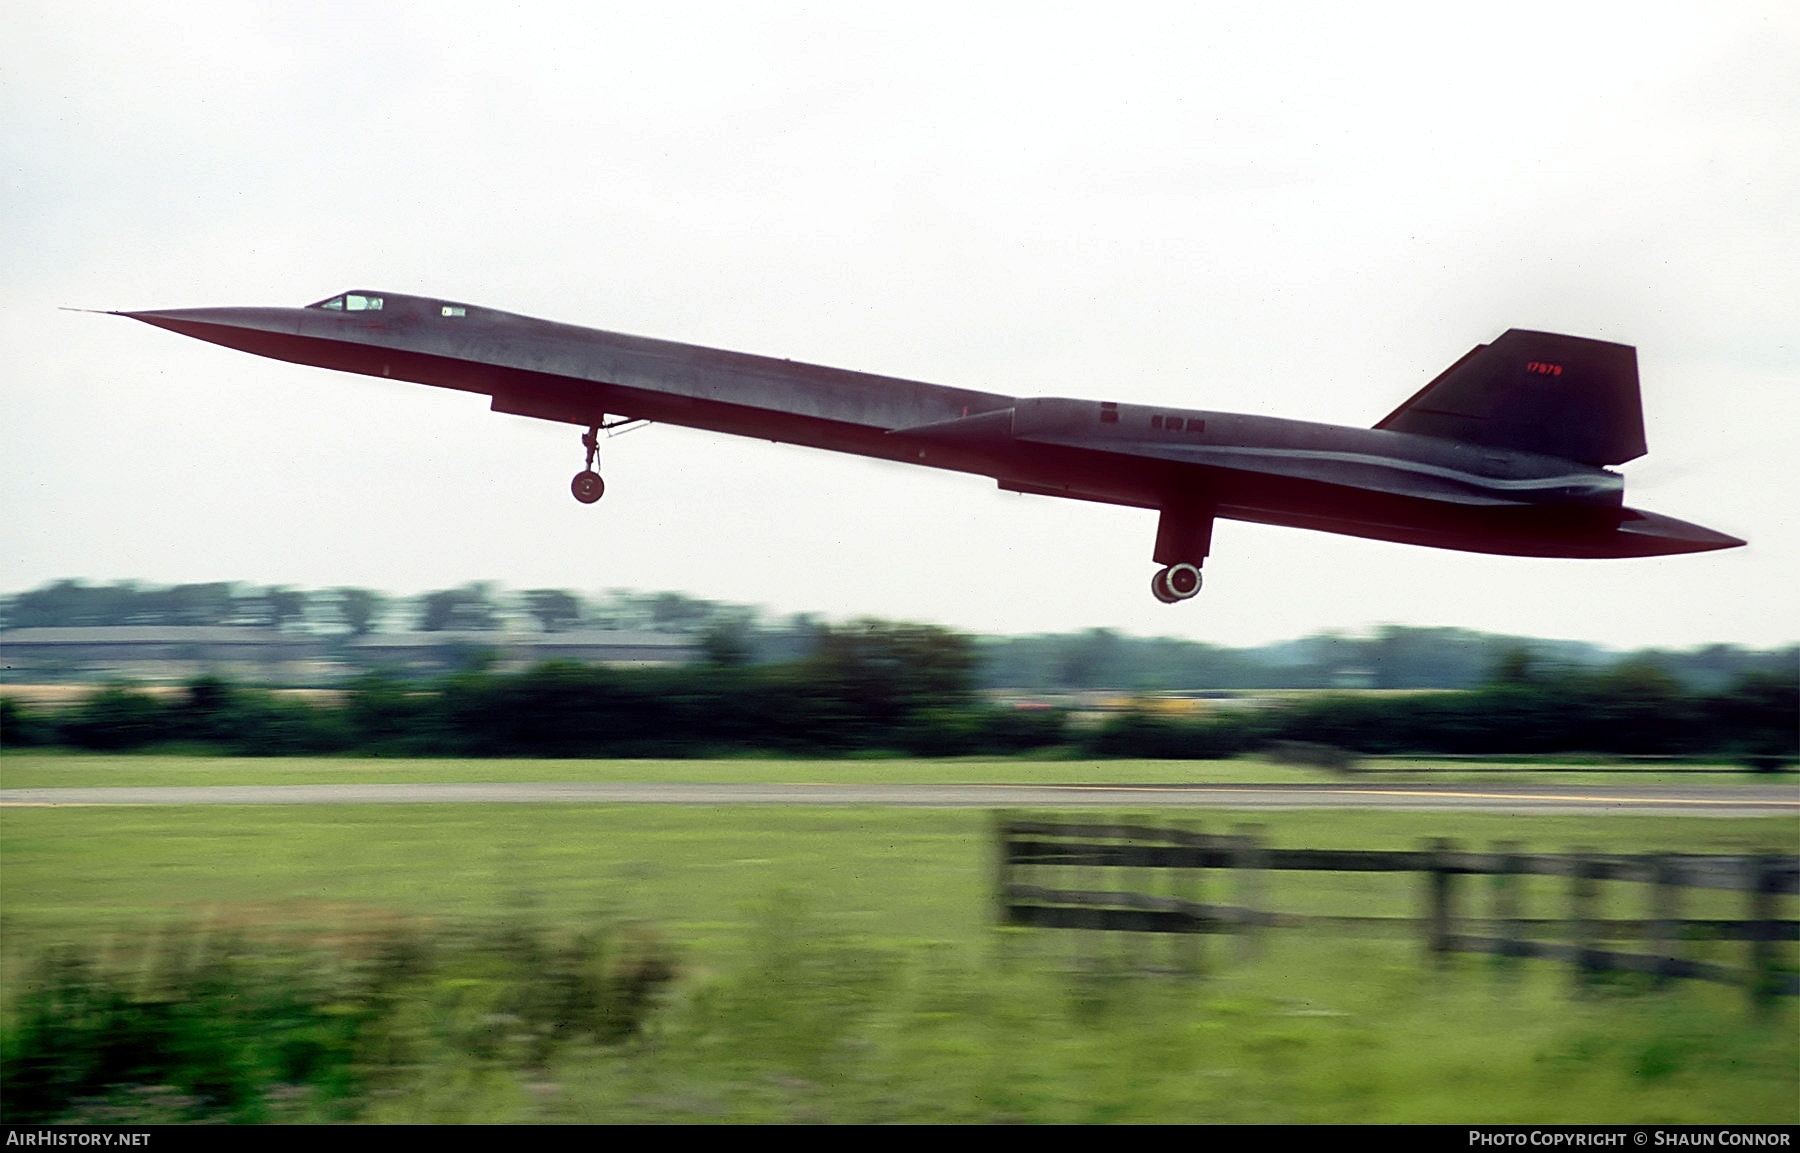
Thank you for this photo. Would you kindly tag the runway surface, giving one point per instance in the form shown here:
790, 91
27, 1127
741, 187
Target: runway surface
1723, 801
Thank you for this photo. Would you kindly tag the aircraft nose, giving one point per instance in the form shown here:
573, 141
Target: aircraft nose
233, 327
180, 319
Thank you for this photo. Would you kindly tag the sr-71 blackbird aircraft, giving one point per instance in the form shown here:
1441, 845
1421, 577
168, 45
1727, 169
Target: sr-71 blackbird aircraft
1504, 452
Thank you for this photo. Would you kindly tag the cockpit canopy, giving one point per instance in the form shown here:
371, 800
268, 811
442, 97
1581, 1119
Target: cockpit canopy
364, 301
350, 302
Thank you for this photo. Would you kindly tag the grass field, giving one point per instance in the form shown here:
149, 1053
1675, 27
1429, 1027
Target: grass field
840, 964
35, 769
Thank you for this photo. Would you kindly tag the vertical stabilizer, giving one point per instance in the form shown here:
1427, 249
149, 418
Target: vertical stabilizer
1536, 392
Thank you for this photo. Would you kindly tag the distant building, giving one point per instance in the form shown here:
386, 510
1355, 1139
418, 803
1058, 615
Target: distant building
264, 655
448, 651
161, 653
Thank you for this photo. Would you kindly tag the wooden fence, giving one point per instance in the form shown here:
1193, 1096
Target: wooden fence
1066, 875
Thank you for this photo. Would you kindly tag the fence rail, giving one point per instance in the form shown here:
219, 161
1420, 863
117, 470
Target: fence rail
1034, 854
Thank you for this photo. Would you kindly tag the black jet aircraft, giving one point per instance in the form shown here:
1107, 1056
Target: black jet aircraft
1504, 452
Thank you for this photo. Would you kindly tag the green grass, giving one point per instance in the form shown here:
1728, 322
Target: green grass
894, 876
1312, 1031
36, 769
898, 874
839, 964
814, 1024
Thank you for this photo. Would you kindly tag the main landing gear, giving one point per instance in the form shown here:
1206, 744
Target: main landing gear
1183, 538
1176, 583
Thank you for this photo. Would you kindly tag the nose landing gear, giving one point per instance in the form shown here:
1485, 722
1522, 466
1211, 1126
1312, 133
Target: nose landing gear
587, 485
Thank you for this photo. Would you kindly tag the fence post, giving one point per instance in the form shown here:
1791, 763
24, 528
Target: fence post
1247, 861
1763, 976
1665, 915
1507, 886
1132, 945
1090, 942
1440, 913
1584, 891
1003, 877
1187, 886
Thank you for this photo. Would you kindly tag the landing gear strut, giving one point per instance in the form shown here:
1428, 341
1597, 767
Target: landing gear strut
587, 485
1183, 538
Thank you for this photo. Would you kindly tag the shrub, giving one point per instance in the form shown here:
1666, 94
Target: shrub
195, 1027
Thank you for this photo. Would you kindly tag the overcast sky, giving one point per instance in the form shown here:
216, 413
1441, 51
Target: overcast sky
1301, 210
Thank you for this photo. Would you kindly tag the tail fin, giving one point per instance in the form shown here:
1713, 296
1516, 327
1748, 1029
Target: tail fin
1537, 392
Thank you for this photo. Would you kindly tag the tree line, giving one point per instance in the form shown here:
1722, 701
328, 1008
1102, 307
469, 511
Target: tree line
1395, 657
911, 689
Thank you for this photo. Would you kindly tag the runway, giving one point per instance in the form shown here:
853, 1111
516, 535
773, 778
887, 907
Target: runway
1718, 801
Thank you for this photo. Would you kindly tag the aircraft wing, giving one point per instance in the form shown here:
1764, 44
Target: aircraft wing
1187, 450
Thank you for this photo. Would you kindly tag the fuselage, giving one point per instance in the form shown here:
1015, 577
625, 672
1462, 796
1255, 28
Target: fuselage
1370, 482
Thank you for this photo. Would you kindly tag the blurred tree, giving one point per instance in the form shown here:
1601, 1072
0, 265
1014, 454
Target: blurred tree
726, 643
21, 727
1643, 708
206, 715
357, 609
212, 603
116, 718
877, 672
1516, 667
274, 607
555, 609
679, 612
1758, 719
467, 608
73, 604
1088, 661
287, 605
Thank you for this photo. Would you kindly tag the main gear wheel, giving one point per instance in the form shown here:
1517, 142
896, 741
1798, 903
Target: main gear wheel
1176, 583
